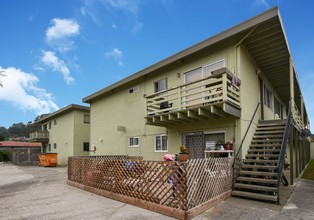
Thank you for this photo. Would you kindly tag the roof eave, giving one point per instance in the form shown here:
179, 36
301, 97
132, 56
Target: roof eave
193, 49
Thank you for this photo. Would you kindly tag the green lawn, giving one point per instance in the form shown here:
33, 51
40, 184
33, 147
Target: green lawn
309, 172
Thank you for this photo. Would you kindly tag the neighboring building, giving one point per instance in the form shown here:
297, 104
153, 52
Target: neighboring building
201, 96
23, 153
65, 132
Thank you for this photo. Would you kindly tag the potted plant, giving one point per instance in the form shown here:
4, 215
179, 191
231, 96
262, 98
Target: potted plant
184, 154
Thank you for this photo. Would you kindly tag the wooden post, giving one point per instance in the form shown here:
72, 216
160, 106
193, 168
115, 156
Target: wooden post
291, 147
296, 145
224, 87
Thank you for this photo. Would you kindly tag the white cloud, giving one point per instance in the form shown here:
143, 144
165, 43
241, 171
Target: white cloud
137, 27
59, 33
115, 54
127, 5
50, 59
20, 89
114, 26
262, 2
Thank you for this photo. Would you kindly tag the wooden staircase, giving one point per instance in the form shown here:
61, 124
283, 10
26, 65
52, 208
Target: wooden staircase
258, 174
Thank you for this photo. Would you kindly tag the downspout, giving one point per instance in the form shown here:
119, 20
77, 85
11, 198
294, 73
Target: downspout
236, 131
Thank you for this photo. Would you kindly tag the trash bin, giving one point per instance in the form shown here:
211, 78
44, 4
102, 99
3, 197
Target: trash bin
48, 159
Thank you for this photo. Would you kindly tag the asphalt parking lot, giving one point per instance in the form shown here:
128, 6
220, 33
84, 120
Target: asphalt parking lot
42, 193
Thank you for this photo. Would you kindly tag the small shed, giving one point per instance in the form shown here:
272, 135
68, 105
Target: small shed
23, 153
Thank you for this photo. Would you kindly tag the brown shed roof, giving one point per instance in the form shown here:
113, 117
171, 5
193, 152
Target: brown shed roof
19, 144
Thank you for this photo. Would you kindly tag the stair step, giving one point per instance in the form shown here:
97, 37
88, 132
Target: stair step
259, 161
256, 187
265, 145
273, 121
262, 155
257, 180
281, 128
270, 132
264, 150
267, 136
267, 141
257, 173
266, 167
255, 195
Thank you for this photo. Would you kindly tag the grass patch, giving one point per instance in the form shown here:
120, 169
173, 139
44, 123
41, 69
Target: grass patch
309, 172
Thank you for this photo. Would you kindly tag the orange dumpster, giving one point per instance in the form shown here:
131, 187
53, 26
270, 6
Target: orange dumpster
48, 159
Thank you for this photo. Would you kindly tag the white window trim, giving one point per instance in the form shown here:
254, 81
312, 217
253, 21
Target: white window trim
134, 145
160, 151
166, 78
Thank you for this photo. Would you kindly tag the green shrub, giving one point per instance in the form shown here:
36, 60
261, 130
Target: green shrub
5, 156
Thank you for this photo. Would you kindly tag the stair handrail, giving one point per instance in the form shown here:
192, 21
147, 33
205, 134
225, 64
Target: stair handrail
283, 149
248, 128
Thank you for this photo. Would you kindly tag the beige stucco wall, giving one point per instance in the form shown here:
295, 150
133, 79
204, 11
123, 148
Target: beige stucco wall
69, 134
61, 134
129, 110
119, 108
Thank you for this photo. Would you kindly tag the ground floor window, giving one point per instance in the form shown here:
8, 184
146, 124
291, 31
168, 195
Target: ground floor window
277, 108
86, 146
134, 142
161, 143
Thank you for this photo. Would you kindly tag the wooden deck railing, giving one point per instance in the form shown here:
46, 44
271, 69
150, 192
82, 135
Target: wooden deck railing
218, 88
177, 189
39, 135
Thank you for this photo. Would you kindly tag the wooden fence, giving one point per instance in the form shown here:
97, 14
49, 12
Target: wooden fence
178, 189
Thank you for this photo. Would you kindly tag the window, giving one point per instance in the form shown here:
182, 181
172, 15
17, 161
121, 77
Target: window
134, 89
277, 108
86, 118
49, 125
207, 70
161, 85
54, 146
45, 127
55, 122
161, 143
203, 72
49, 147
86, 146
268, 98
134, 142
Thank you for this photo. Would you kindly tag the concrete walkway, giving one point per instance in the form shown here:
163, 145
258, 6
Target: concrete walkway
42, 193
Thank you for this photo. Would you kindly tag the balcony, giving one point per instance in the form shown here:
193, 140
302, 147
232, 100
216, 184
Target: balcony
39, 136
210, 98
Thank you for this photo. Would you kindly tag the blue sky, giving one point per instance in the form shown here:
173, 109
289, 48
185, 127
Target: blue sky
56, 52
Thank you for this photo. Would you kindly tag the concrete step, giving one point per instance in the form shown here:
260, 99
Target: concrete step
255, 195
256, 187
258, 173
257, 180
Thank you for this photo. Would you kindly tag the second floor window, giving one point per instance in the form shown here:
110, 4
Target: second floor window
54, 146
161, 85
86, 119
268, 98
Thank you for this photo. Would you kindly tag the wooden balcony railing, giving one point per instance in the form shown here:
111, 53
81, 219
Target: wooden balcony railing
297, 117
221, 87
39, 135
